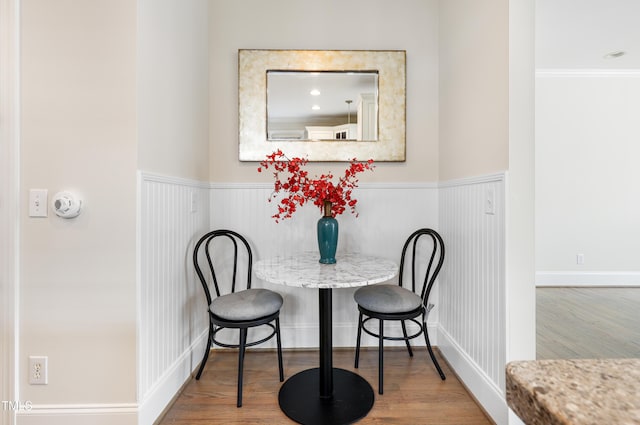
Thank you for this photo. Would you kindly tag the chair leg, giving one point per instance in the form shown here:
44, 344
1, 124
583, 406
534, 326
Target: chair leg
241, 347
406, 338
279, 342
358, 340
380, 355
206, 353
431, 354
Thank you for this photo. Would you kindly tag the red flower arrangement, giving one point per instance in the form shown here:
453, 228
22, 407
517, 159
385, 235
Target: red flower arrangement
302, 189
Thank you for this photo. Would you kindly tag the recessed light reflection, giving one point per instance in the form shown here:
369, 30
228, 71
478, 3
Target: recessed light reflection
315, 107
315, 92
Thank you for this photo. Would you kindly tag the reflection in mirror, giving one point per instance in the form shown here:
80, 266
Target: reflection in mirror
326, 105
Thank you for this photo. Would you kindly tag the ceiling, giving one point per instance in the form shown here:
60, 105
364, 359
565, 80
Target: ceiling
577, 34
569, 34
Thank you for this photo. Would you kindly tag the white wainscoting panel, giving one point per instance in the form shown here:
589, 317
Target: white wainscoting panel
388, 214
472, 325
172, 318
469, 297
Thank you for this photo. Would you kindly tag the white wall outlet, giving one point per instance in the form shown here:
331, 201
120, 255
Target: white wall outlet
38, 373
580, 259
38, 202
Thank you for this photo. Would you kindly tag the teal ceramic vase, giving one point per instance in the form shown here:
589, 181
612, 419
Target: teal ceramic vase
327, 236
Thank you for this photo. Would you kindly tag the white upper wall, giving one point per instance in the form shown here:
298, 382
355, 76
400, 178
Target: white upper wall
587, 176
474, 88
410, 25
78, 132
173, 88
108, 87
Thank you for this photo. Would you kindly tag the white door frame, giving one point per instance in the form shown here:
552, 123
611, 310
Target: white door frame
9, 204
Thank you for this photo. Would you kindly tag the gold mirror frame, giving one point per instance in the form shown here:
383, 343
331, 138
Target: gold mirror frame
252, 103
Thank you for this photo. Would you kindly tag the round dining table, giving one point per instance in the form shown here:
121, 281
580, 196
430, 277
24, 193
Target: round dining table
326, 395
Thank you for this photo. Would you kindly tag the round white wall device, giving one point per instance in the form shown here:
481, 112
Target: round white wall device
66, 205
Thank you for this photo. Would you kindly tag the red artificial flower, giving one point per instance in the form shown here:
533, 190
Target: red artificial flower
301, 189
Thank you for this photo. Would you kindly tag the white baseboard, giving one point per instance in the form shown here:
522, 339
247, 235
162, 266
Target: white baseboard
491, 398
162, 393
587, 279
79, 414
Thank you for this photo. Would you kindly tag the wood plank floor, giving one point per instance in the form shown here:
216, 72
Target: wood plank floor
571, 323
579, 323
414, 393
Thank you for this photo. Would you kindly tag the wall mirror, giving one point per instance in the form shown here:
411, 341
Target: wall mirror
323, 105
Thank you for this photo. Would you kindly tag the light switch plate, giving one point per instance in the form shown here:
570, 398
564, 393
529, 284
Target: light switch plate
38, 202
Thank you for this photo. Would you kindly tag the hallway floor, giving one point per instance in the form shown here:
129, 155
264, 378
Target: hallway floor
574, 323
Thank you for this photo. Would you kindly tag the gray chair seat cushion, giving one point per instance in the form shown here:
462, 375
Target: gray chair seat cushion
249, 304
387, 299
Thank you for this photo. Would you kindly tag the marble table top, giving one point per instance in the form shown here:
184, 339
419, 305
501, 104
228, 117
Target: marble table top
577, 392
305, 271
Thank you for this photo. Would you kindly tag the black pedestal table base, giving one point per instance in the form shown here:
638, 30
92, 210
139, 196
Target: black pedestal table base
351, 400
326, 395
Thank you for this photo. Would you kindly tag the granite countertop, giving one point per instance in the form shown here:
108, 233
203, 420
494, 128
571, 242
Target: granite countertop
576, 392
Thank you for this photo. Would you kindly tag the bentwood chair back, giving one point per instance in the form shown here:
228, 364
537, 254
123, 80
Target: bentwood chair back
234, 304
406, 301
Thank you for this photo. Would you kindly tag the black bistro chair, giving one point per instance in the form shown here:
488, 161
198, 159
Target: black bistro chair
237, 308
401, 303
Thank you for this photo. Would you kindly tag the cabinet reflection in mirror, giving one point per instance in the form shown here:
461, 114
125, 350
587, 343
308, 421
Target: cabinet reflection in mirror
325, 105
364, 122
